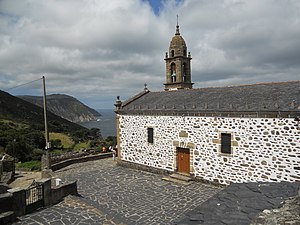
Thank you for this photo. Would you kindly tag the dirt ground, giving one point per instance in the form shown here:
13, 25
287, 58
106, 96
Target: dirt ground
25, 179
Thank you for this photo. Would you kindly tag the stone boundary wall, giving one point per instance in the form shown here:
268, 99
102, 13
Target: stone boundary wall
8, 165
1, 170
63, 190
7, 170
263, 149
51, 195
55, 158
62, 164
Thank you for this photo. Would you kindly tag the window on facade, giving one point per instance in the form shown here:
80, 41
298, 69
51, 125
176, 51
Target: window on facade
226, 143
150, 135
172, 53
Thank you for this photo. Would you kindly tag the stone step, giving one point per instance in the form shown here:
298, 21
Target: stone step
7, 217
176, 180
182, 177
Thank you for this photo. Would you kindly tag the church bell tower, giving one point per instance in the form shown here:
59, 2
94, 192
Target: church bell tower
178, 64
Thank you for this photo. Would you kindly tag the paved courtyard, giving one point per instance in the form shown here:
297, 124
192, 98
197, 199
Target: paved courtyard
111, 194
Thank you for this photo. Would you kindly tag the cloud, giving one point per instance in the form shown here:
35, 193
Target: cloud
96, 50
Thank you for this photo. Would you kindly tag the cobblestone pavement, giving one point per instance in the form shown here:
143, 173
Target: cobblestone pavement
116, 195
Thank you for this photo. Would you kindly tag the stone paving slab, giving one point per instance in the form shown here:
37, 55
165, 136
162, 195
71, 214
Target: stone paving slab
70, 211
116, 195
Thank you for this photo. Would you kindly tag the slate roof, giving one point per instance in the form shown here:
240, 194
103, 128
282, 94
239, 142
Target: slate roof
262, 97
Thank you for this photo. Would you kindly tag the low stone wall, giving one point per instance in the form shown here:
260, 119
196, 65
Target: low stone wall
61, 191
7, 170
51, 195
8, 165
3, 188
68, 162
55, 158
1, 170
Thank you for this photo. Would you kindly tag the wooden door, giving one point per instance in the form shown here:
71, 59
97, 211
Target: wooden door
183, 160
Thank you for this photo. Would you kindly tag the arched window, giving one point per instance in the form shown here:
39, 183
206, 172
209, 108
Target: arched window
173, 72
172, 53
184, 78
184, 52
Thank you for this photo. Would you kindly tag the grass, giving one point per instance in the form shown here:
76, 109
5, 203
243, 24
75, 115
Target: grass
81, 145
32, 165
66, 140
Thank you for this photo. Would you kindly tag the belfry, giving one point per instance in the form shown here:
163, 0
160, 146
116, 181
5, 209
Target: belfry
178, 64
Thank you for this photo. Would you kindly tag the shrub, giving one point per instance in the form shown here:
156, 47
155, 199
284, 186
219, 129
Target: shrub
37, 154
32, 165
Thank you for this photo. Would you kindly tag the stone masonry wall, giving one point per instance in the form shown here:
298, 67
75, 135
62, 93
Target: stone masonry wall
263, 149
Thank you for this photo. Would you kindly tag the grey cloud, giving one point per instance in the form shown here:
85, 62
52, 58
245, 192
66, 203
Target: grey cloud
96, 50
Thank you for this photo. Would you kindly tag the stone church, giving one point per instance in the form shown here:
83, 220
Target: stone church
230, 134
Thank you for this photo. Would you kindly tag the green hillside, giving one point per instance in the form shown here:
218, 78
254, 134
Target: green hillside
22, 128
18, 110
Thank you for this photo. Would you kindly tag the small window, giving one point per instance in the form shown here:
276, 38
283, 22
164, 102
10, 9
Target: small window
226, 143
172, 53
150, 135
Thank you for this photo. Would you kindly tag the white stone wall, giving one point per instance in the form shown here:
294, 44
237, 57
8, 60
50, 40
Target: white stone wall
263, 149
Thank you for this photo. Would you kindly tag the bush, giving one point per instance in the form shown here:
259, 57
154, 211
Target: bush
37, 154
81, 145
56, 143
32, 165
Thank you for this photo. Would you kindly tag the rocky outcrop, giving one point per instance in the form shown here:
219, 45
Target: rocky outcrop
66, 107
242, 204
289, 213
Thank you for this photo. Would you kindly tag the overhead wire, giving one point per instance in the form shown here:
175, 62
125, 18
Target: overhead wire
20, 85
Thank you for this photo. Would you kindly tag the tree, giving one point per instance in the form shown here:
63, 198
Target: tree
95, 134
19, 149
56, 143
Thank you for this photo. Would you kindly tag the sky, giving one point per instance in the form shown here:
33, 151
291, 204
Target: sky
95, 50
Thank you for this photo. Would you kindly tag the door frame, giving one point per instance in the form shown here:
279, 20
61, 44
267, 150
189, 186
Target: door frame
186, 167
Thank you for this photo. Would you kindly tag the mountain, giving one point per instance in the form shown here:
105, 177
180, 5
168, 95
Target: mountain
19, 110
66, 107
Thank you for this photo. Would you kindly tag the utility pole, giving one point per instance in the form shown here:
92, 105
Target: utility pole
47, 157
45, 114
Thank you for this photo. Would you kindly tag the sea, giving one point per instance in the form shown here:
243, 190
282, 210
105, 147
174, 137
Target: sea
106, 123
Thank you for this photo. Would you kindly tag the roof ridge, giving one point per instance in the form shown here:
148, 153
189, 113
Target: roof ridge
259, 83
238, 85
135, 97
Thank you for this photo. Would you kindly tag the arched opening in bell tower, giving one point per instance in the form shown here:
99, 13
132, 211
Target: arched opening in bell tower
184, 72
173, 72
